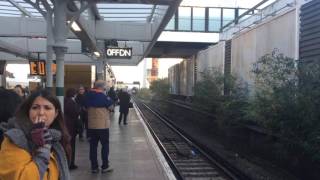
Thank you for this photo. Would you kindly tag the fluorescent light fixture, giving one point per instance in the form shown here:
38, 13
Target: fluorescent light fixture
75, 27
96, 53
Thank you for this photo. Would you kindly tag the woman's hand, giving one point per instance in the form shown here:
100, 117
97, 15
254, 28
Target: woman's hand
40, 134
43, 139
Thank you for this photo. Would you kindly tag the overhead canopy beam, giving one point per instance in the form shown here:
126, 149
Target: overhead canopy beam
69, 58
22, 9
29, 48
142, 35
123, 31
96, 13
152, 13
20, 52
36, 27
156, 2
165, 20
87, 33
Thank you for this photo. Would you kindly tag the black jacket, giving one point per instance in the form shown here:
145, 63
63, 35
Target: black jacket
124, 99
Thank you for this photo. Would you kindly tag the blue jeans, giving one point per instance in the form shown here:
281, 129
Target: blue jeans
97, 135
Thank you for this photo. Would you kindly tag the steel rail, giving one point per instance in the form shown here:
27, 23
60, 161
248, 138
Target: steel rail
215, 159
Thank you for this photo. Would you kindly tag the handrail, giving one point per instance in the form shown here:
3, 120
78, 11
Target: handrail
243, 14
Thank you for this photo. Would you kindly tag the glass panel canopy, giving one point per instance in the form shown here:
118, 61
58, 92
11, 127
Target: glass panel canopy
108, 11
18, 8
126, 12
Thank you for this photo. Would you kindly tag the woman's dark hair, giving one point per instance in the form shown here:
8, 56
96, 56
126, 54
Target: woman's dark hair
58, 123
22, 90
9, 102
71, 92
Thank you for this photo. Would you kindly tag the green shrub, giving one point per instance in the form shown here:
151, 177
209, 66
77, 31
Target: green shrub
275, 91
144, 93
160, 88
287, 100
208, 92
223, 96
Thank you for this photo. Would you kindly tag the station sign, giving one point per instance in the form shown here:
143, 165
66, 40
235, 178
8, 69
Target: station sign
120, 53
38, 68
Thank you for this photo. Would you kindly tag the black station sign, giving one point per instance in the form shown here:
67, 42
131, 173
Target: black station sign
123, 53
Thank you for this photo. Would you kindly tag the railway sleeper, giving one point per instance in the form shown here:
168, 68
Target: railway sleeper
204, 178
196, 169
203, 164
201, 174
189, 160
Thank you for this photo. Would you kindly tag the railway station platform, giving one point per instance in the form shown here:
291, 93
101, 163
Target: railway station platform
134, 155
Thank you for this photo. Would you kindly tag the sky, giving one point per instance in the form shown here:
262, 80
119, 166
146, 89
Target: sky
135, 73
20, 72
128, 74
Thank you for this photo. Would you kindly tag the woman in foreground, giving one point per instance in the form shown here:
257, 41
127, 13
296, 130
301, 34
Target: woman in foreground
36, 142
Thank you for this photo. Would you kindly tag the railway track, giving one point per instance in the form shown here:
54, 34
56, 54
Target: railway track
188, 161
233, 147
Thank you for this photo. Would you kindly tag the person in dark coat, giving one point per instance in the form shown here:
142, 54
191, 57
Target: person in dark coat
124, 99
80, 99
9, 102
112, 94
71, 115
20, 91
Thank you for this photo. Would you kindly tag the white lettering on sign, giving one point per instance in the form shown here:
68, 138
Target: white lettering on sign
119, 52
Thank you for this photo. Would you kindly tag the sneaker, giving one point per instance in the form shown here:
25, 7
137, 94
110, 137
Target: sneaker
94, 171
105, 170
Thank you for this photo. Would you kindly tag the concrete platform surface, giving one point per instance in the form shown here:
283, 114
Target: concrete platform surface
133, 154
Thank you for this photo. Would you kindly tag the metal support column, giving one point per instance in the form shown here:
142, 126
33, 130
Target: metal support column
144, 75
3, 82
100, 69
60, 36
100, 64
50, 41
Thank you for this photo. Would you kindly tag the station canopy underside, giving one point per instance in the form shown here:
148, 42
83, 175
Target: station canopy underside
103, 23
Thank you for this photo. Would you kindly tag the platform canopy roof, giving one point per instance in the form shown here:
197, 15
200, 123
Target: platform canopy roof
123, 23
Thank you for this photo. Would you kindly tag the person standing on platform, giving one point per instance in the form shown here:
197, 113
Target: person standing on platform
112, 94
97, 104
80, 99
71, 116
9, 102
20, 91
36, 143
124, 99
